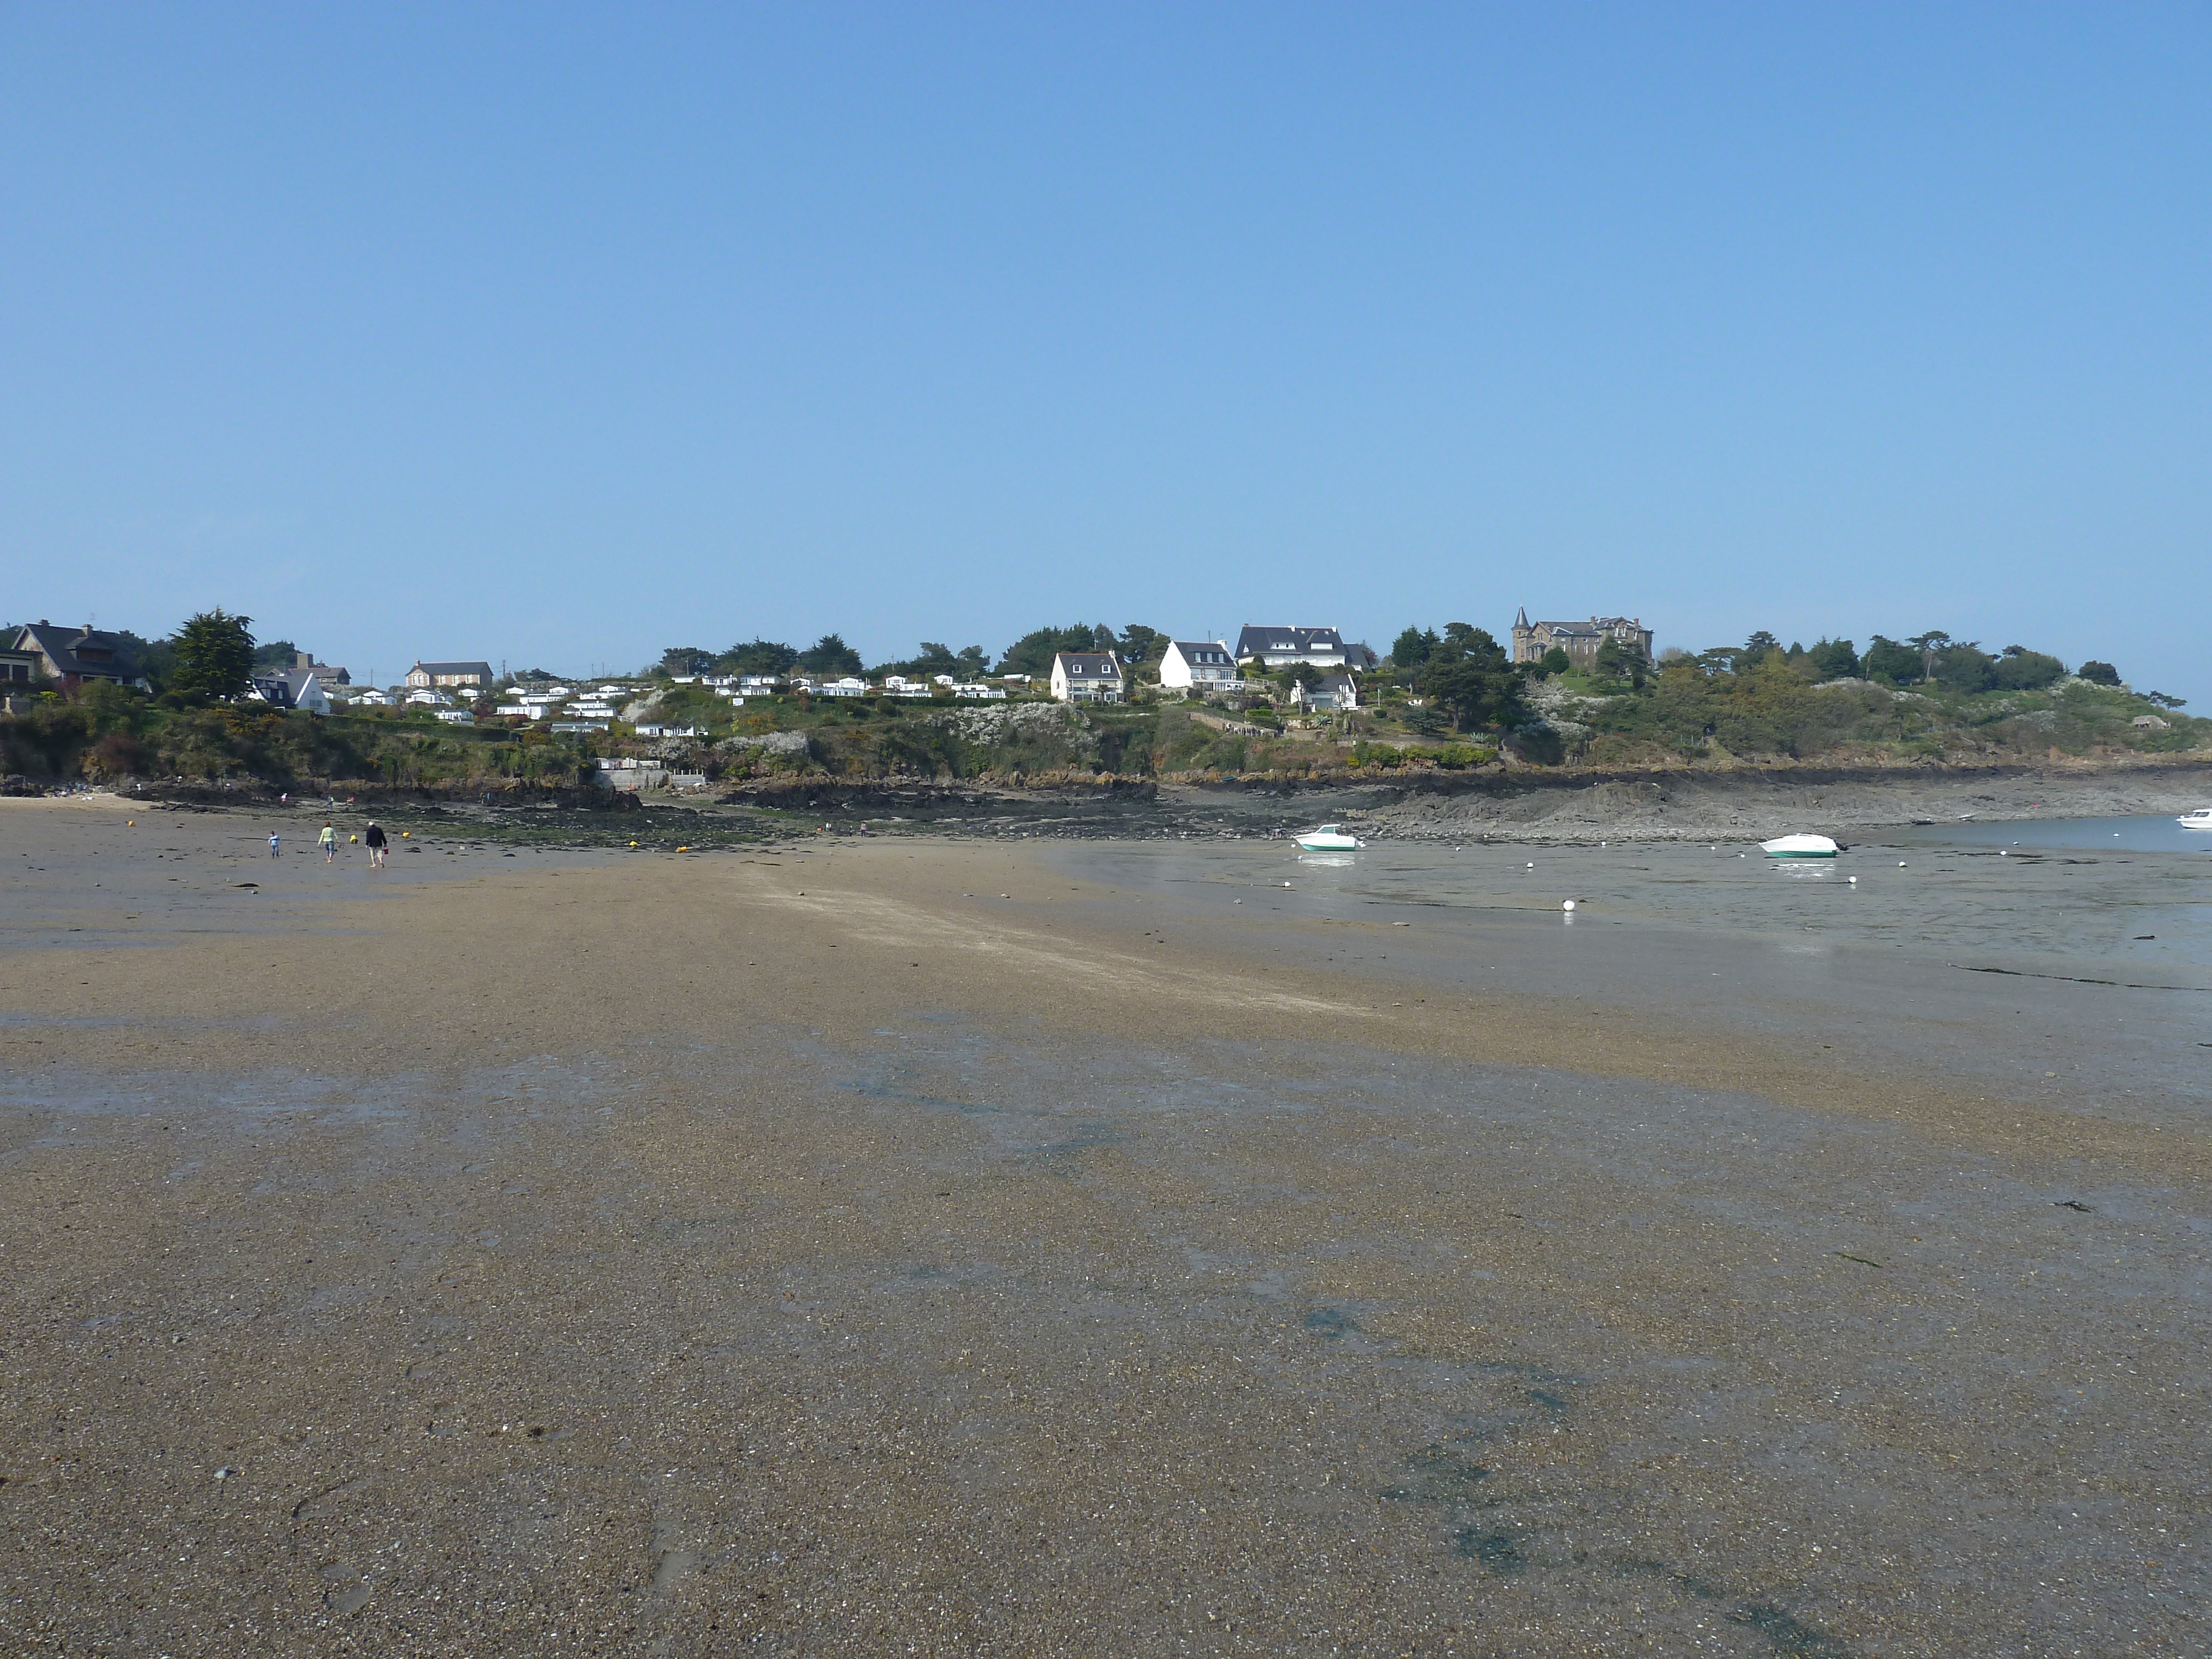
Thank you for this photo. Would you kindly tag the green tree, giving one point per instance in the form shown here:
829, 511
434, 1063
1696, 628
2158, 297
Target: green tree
1885, 659
684, 659
829, 655
2021, 670
1469, 676
1963, 666
1616, 661
275, 654
1412, 648
2098, 673
1554, 662
758, 657
1033, 653
1143, 644
214, 655
933, 658
1834, 659
1930, 646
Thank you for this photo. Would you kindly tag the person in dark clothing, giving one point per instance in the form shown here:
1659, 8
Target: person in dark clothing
377, 843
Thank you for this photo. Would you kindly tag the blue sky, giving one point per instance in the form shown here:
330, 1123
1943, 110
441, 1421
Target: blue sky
556, 336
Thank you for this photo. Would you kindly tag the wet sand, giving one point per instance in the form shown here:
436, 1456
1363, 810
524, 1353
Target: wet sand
911, 1247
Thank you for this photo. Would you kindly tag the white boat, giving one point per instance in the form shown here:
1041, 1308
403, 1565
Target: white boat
1328, 838
2200, 819
1799, 847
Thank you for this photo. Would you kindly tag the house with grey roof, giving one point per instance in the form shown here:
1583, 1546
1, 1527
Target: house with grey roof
75, 656
293, 687
1264, 650
1086, 676
424, 675
1336, 693
1196, 667
1581, 640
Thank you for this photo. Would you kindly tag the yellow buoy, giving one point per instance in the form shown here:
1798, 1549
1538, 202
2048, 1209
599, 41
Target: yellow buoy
683, 849
130, 824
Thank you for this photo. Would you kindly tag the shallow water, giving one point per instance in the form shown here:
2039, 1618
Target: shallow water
2134, 914
2153, 833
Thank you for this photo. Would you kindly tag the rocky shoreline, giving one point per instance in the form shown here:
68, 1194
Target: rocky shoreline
1520, 806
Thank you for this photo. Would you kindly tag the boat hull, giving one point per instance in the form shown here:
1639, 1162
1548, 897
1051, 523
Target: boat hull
1799, 847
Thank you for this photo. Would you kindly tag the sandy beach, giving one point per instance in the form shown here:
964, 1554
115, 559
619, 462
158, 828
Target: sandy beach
913, 1246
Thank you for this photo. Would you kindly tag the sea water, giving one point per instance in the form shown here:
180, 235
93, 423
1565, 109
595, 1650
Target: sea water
2125, 897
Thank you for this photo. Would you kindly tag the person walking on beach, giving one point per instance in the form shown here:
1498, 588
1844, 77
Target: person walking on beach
329, 839
273, 848
375, 837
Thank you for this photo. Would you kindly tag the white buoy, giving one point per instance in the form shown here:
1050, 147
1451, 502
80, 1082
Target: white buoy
1568, 904
1286, 884
1900, 864
1854, 880
2002, 854
1532, 864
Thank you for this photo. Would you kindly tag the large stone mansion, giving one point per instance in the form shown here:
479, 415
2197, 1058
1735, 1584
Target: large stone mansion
1579, 639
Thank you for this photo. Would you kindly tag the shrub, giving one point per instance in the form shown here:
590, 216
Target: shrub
1458, 756
2098, 673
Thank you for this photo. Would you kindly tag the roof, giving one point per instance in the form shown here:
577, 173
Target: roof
1254, 641
1191, 648
483, 668
1592, 625
85, 652
1101, 665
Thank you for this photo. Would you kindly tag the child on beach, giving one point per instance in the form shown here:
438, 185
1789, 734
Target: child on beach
273, 848
330, 841
375, 837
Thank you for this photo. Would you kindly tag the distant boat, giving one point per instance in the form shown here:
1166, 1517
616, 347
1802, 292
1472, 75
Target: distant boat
2200, 819
1799, 847
1329, 838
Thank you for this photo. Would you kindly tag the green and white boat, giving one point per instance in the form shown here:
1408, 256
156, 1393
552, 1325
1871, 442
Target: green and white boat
1799, 847
1328, 838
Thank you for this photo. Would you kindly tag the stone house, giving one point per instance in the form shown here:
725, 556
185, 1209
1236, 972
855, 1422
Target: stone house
1579, 639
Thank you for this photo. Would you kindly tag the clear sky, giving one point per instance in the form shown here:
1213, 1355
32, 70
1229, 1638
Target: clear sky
556, 335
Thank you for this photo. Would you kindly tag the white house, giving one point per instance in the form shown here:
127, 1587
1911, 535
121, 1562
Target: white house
1335, 692
1086, 676
976, 689
652, 731
428, 699
1199, 665
899, 686
1271, 648
374, 699
847, 687
293, 687
455, 716
756, 685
